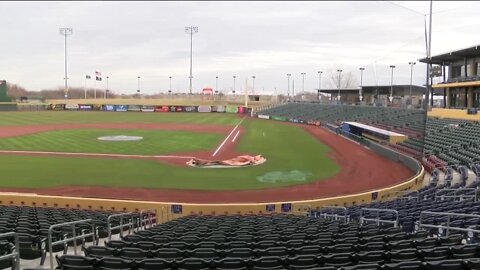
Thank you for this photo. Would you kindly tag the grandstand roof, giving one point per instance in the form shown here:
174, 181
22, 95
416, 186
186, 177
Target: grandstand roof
452, 56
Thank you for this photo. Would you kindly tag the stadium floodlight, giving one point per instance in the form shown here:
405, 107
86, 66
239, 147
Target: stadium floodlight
106, 89
253, 89
360, 96
66, 32
216, 84
138, 84
191, 30
288, 85
170, 88
303, 81
391, 85
339, 82
319, 83
234, 83
411, 77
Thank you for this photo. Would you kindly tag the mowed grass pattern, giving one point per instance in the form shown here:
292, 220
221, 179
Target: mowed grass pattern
287, 148
154, 142
53, 117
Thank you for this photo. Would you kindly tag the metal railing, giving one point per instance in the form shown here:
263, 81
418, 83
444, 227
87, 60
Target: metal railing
15, 255
447, 227
473, 196
66, 240
130, 223
148, 222
378, 220
333, 215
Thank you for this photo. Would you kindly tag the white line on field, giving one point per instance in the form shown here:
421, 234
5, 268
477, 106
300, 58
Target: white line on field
224, 141
85, 154
234, 138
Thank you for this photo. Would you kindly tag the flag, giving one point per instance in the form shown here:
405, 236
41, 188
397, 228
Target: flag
87, 77
98, 76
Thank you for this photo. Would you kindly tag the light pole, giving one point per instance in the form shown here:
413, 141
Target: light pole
138, 85
319, 83
66, 32
391, 84
234, 83
288, 85
170, 88
339, 82
360, 96
216, 84
411, 77
303, 81
191, 30
253, 90
106, 89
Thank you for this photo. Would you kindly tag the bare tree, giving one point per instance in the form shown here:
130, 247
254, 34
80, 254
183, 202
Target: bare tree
347, 79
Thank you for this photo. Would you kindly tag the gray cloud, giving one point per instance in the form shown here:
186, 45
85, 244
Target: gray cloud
266, 39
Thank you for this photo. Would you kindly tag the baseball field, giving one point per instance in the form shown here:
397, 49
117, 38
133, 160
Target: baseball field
52, 152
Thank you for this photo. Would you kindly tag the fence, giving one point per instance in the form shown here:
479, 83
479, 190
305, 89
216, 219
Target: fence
446, 227
333, 215
378, 220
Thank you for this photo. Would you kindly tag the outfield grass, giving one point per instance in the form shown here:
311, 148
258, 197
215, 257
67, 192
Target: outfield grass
154, 142
292, 154
53, 117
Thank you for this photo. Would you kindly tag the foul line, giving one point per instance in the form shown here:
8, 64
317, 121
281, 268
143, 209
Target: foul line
224, 141
85, 154
234, 138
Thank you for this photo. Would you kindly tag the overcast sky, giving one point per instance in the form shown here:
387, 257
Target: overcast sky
267, 39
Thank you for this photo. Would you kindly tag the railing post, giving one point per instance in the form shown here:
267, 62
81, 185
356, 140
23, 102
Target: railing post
448, 225
74, 234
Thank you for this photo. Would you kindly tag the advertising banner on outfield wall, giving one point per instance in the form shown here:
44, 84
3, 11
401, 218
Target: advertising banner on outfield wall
179, 109
262, 116
71, 107
146, 108
204, 109
109, 108
97, 107
279, 118
177, 208
85, 107
313, 123
172, 108
190, 109
121, 108
134, 108
57, 107
220, 109
231, 109
162, 109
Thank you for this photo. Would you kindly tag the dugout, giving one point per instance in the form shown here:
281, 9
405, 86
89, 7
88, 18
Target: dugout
372, 133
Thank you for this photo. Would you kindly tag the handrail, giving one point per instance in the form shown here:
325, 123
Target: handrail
345, 217
152, 215
377, 219
121, 226
16, 253
66, 240
454, 195
447, 226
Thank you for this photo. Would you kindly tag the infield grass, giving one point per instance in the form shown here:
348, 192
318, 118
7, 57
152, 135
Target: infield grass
287, 149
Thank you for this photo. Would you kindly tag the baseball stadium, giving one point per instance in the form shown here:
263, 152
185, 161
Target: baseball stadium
374, 177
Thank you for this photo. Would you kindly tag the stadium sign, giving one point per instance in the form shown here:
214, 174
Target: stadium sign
261, 116
190, 109
146, 108
121, 108
109, 108
71, 107
85, 107
204, 109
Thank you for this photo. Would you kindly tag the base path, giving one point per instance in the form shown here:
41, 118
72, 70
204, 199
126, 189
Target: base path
361, 170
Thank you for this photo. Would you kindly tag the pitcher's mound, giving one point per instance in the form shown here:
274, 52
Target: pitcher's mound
240, 161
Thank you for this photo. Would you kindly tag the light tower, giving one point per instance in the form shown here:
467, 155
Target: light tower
66, 32
191, 30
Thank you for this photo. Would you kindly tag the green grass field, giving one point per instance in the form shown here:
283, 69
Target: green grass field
293, 156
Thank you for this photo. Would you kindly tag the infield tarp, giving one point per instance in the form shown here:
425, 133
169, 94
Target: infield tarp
121, 108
